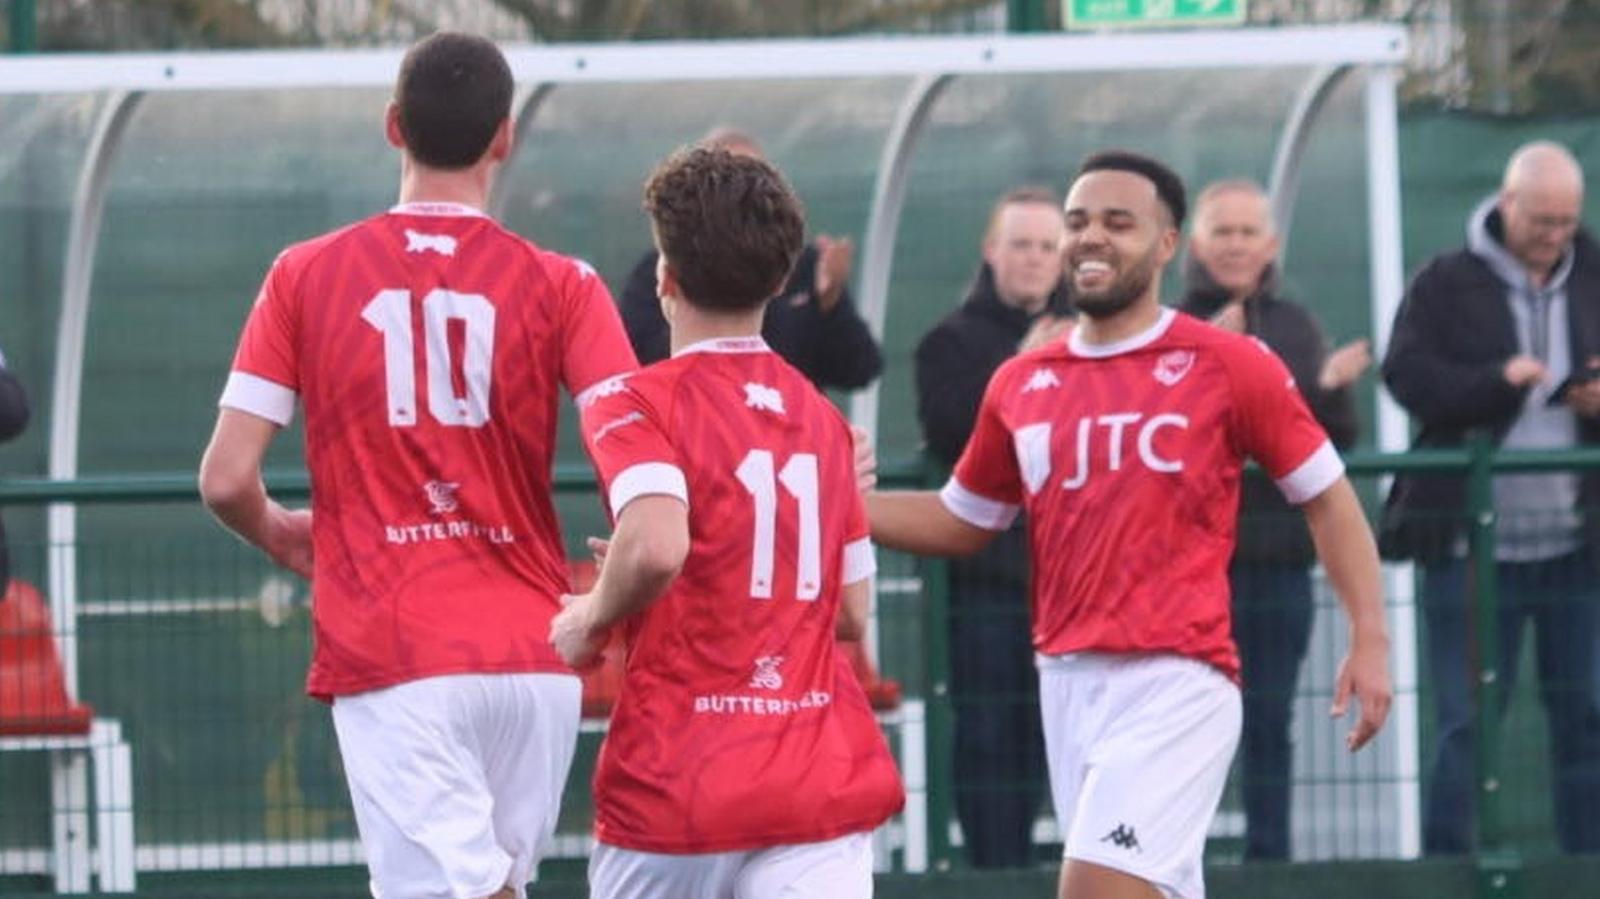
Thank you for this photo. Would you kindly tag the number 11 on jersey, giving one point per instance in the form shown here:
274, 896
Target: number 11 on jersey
799, 478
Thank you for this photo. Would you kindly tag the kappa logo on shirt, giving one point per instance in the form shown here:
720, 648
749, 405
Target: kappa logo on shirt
767, 676
1042, 378
601, 389
441, 496
1171, 367
760, 396
585, 270
418, 242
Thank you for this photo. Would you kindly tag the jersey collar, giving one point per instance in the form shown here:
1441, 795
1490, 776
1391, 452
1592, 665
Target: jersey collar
1127, 344
726, 345
426, 208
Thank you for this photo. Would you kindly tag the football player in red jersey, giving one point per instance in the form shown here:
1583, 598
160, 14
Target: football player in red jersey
743, 759
427, 346
1125, 442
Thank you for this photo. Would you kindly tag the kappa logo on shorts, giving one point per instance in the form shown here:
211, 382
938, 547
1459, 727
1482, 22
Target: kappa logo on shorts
1123, 838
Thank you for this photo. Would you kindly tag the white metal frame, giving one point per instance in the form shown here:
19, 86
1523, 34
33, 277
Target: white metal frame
110, 806
929, 64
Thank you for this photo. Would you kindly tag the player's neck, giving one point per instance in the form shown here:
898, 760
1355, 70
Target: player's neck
469, 187
691, 326
1134, 320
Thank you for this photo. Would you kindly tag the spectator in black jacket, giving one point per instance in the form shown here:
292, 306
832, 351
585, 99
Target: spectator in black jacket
1232, 280
813, 323
13, 419
1485, 341
1016, 302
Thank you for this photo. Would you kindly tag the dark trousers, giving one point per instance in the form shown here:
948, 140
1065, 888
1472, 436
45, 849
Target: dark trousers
999, 742
1272, 626
1559, 597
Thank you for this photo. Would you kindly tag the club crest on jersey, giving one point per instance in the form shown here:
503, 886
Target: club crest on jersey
1171, 367
441, 496
760, 396
1042, 379
767, 676
418, 242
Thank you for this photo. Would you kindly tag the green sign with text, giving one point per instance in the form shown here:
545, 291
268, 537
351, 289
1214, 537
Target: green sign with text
1090, 14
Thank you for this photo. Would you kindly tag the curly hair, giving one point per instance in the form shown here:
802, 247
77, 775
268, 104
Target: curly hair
729, 226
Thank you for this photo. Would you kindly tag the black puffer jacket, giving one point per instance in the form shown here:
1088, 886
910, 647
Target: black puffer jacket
13, 418
1453, 335
834, 349
1270, 530
954, 362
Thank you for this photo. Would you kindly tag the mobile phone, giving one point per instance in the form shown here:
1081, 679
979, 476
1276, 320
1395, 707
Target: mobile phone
1581, 376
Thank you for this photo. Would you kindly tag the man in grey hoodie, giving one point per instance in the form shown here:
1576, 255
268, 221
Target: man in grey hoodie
1496, 338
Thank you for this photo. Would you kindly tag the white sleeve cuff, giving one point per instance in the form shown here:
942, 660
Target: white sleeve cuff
860, 561
258, 396
978, 511
1314, 475
647, 479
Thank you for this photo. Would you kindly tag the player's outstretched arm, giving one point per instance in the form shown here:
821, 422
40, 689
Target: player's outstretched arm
916, 521
1348, 553
230, 485
645, 553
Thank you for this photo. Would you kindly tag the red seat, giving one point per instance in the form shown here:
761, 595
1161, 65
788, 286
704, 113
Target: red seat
33, 692
602, 685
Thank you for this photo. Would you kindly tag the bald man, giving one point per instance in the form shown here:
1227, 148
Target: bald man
1231, 279
1503, 337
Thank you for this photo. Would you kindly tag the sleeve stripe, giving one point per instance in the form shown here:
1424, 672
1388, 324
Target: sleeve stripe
258, 396
978, 511
860, 561
648, 479
1314, 475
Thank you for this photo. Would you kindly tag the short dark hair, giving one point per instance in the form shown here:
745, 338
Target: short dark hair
453, 92
1169, 187
730, 226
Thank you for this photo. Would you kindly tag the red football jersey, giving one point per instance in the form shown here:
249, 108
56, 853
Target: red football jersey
426, 346
1128, 458
740, 724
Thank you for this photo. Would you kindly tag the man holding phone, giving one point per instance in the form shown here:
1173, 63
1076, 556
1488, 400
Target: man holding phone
1503, 337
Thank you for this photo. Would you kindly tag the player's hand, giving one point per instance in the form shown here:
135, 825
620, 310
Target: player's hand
1044, 329
1523, 371
1364, 673
1584, 397
1230, 318
598, 547
835, 256
287, 538
573, 634
1345, 364
866, 459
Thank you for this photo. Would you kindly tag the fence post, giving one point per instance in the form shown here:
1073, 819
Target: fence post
24, 25
1498, 865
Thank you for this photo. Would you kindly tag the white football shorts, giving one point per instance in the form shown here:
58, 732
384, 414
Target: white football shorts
840, 868
456, 780
1139, 748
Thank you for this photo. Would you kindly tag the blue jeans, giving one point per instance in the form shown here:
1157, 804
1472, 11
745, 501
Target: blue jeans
1559, 596
999, 740
1272, 626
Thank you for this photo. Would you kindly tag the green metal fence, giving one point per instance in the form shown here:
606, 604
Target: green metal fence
197, 647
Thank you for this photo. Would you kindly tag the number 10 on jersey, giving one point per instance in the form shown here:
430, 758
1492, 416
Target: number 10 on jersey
390, 313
